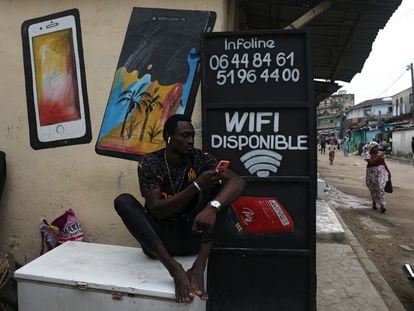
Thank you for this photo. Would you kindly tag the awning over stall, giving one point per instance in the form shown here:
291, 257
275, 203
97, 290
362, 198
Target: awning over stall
342, 31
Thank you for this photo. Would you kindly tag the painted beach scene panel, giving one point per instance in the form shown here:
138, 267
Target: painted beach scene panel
156, 77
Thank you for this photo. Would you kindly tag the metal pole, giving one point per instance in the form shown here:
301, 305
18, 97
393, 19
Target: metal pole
412, 91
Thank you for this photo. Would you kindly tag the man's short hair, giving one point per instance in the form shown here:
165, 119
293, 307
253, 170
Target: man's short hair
171, 124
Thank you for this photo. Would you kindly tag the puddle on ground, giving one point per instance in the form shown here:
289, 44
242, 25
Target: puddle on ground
370, 224
343, 200
382, 236
358, 164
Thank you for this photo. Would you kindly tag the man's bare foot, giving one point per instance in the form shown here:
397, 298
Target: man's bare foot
197, 284
182, 285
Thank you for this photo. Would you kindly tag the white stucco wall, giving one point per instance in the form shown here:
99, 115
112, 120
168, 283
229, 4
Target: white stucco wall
401, 102
401, 143
45, 183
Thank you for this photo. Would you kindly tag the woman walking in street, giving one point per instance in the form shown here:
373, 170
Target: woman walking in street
345, 146
377, 175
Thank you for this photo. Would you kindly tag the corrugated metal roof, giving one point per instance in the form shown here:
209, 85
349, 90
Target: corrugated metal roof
342, 35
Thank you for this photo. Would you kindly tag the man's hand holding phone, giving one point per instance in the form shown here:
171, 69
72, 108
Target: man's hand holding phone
210, 178
222, 166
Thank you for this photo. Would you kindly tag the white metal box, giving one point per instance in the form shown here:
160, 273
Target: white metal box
98, 277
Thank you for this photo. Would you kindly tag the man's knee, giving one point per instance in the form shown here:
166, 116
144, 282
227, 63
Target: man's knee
124, 202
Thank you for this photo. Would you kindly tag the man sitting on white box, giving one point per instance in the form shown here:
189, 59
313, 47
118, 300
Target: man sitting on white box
184, 194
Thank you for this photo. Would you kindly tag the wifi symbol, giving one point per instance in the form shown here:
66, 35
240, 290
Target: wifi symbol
261, 162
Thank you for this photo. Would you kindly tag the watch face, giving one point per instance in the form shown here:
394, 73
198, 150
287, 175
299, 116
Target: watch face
215, 204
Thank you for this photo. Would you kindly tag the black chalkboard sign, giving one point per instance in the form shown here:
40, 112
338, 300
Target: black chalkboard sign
258, 112
260, 67
261, 142
257, 89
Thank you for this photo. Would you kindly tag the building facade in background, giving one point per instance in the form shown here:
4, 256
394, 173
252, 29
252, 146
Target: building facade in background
330, 113
402, 102
387, 120
367, 121
370, 110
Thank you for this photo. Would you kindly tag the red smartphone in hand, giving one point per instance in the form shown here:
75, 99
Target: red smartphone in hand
222, 166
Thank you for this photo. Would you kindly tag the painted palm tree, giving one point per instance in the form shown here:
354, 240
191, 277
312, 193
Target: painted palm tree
154, 131
132, 96
148, 101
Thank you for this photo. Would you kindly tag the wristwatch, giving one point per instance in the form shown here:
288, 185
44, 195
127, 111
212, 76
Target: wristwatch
216, 204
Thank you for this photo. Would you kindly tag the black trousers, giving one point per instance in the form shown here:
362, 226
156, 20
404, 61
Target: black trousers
177, 238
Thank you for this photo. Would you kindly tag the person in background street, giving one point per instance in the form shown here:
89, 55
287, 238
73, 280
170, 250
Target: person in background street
360, 148
331, 149
2, 172
412, 147
377, 175
345, 146
323, 145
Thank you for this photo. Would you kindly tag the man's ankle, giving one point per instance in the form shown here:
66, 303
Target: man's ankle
175, 268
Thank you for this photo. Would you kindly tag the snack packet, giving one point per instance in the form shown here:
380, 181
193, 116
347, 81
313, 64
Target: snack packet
69, 227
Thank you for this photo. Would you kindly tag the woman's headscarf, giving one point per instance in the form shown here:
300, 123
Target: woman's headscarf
372, 145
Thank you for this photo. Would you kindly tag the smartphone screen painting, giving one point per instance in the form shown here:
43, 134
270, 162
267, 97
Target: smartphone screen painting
56, 78
56, 94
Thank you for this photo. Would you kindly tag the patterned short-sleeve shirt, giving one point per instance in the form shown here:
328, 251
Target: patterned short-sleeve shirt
153, 172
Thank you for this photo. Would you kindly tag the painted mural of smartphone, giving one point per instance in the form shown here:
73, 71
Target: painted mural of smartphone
222, 166
56, 79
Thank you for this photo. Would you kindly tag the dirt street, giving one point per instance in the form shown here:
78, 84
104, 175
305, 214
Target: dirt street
387, 238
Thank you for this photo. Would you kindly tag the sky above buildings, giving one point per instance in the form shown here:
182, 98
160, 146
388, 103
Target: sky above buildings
386, 70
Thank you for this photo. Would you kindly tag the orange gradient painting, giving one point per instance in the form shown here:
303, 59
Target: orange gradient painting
56, 81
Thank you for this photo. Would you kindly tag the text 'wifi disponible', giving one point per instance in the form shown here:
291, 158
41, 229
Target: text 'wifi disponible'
261, 162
